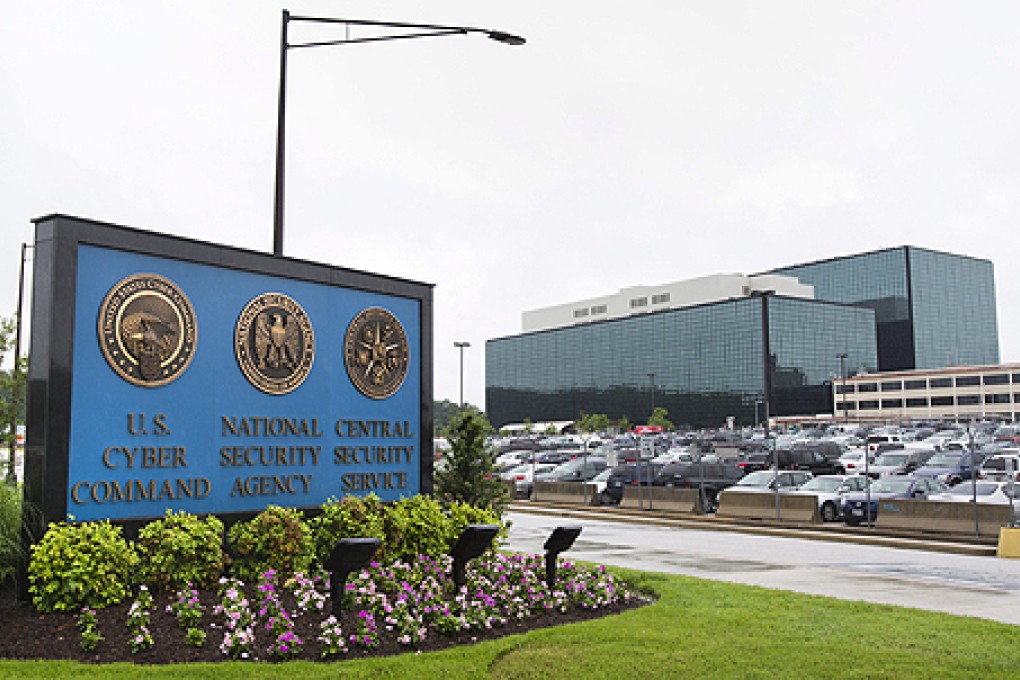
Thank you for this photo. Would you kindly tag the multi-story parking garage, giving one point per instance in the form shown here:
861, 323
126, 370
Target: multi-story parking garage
953, 393
740, 346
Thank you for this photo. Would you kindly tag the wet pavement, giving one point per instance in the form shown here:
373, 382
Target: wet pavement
986, 587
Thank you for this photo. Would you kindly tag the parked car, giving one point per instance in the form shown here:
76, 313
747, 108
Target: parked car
627, 475
853, 461
522, 476
1000, 467
875, 440
951, 467
511, 459
811, 460
766, 480
579, 469
991, 493
598, 482
752, 462
830, 491
712, 477
856, 505
900, 462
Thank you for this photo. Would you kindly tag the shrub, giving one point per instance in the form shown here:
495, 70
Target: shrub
276, 539
80, 565
12, 552
415, 526
351, 517
181, 549
462, 514
469, 475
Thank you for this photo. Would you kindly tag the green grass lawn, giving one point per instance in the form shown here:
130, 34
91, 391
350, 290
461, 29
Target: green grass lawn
696, 629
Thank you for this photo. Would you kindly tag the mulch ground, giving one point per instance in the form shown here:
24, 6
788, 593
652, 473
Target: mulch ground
29, 634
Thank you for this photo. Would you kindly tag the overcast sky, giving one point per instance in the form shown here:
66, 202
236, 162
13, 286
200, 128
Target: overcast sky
626, 143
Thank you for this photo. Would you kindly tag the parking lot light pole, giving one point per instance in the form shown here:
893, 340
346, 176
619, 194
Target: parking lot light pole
461, 346
842, 372
651, 379
413, 31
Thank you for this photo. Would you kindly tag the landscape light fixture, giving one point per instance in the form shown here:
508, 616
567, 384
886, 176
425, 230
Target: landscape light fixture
411, 31
475, 540
349, 555
561, 539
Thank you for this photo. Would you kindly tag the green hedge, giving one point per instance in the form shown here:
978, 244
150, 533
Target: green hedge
91, 564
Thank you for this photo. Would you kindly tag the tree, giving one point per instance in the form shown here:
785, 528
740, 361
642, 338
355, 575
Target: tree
444, 411
623, 424
659, 418
593, 422
12, 392
469, 474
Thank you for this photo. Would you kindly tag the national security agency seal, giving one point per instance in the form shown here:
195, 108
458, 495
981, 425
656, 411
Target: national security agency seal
376, 353
274, 343
147, 330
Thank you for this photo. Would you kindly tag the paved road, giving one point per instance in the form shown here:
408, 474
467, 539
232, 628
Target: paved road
987, 587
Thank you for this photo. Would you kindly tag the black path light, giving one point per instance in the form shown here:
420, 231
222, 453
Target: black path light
475, 540
561, 539
411, 31
349, 555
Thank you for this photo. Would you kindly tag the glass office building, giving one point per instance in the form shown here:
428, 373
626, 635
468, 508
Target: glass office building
702, 363
932, 309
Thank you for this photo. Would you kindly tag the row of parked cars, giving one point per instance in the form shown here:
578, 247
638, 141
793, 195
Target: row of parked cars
848, 477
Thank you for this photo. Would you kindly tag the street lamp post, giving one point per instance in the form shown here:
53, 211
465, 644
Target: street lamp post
651, 379
842, 372
461, 346
419, 31
12, 477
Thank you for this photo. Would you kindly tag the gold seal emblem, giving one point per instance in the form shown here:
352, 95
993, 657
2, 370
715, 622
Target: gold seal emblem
274, 343
376, 353
147, 330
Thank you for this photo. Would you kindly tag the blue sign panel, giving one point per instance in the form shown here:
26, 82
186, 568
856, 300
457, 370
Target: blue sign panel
216, 390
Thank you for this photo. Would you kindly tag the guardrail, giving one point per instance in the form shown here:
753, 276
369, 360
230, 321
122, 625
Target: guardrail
662, 498
942, 517
762, 505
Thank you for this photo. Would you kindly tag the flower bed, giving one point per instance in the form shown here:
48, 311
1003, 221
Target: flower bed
404, 607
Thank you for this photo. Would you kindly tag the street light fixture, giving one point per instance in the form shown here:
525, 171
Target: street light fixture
420, 31
461, 346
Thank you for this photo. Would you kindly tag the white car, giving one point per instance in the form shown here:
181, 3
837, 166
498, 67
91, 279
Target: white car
522, 476
853, 460
765, 480
830, 489
1000, 467
510, 459
992, 493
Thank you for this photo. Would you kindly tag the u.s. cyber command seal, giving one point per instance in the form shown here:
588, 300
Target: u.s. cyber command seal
274, 343
147, 330
376, 353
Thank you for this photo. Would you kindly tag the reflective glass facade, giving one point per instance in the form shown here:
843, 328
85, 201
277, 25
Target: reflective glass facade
953, 307
701, 363
932, 309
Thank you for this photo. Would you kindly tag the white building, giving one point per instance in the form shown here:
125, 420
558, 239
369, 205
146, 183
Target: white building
644, 299
953, 393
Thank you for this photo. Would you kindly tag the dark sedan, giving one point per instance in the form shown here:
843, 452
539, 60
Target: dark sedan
627, 475
710, 477
855, 505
